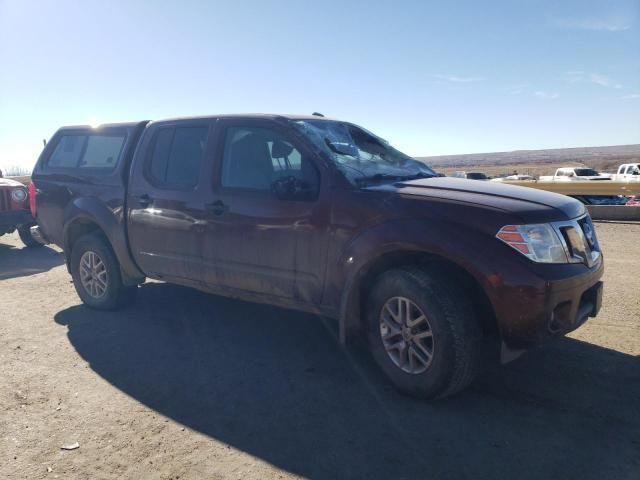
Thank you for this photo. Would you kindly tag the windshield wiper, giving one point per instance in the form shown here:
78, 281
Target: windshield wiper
384, 177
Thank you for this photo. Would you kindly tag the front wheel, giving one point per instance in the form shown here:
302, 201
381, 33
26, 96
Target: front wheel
96, 274
24, 231
422, 333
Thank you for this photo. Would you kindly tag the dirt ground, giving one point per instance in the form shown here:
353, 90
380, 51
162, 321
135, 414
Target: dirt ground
188, 386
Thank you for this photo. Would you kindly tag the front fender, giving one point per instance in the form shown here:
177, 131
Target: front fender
448, 241
112, 224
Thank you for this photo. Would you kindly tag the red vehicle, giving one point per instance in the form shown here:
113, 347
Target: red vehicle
14, 211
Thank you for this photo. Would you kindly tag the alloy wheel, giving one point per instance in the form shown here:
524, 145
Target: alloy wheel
93, 275
406, 335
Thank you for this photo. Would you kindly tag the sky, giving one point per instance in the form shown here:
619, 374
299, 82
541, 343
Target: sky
432, 77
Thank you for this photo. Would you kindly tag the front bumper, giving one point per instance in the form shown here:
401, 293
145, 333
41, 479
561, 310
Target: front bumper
554, 302
13, 219
37, 235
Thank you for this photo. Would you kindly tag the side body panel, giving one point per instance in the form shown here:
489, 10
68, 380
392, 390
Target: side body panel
166, 224
521, 293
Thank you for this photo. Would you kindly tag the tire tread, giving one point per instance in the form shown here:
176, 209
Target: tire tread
119, 294
464, 328
454, 312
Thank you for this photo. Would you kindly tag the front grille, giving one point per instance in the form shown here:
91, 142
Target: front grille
5, 200
580, 240
578, 247
589, 232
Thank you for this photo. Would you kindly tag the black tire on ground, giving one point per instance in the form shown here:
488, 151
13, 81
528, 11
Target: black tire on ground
116, 294
24, 231
456, 334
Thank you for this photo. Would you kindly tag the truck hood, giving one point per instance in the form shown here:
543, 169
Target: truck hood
529, 205
7, 182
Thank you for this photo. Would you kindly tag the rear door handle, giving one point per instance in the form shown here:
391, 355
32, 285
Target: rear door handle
144, 200
217, 208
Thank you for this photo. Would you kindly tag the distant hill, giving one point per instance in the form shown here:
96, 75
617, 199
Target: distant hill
600, 158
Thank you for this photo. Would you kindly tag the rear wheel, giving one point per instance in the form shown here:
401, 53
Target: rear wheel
96, 274
422, 333
24, 231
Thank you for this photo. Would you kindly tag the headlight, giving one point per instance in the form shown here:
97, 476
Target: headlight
18, 195
539, 242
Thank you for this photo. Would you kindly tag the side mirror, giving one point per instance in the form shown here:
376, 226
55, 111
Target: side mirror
292, 188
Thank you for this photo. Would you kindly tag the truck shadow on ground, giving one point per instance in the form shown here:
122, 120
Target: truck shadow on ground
276, 384
19, 262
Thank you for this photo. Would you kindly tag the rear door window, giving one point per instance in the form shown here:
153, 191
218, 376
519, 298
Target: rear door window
176, 157
160, 155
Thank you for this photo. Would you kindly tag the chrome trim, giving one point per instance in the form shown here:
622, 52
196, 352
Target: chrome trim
36, 233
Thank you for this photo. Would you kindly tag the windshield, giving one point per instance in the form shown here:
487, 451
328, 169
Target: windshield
476, 176
586, 172
363, 157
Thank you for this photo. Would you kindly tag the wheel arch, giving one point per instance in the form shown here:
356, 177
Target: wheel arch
87, 215
354, 298
77, 228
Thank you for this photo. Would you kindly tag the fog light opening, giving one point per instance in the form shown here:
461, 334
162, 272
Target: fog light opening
560, 318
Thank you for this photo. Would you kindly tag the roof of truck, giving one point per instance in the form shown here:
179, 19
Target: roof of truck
270, 116
117, 124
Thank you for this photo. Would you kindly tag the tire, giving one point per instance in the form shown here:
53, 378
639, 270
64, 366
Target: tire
106, 291
451, 334
24, 231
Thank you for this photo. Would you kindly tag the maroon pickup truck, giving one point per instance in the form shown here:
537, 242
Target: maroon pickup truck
323, 216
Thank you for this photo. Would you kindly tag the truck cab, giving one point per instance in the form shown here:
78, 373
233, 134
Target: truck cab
577, 174
470, 175
628, 171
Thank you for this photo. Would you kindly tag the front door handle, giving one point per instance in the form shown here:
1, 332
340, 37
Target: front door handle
144, 200
217, 208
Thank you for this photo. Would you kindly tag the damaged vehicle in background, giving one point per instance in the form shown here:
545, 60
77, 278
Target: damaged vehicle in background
438, 275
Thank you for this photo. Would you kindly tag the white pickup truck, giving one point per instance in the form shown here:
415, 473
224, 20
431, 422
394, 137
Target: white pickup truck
570, 174
628, 171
